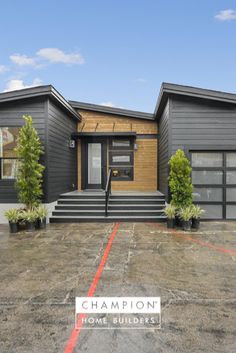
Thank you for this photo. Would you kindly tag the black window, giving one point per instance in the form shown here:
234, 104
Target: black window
8, 158
121, 158
214, 180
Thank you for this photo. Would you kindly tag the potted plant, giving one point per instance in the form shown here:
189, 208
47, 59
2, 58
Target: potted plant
180, 184
186, 217
197, 212
29, 216
170, 212
13, 216
42, 213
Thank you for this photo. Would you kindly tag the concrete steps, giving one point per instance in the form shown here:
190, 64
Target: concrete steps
90, 207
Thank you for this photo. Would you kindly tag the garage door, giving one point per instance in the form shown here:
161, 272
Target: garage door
214, 180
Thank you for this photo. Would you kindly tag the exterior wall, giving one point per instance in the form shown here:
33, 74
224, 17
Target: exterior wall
145, 157
163, 149
61, 161
198, 123
11, 115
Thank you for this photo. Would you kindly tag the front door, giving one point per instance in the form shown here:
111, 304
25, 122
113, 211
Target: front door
95, 164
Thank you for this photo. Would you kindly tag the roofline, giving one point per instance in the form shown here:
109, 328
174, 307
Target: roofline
168, 89
46, 90
112, 110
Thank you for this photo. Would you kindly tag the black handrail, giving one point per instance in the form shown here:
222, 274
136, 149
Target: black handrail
107, 192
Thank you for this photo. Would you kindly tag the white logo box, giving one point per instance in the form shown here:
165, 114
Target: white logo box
117, 305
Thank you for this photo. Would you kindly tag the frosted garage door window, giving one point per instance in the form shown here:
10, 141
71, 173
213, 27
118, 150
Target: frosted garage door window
231, 177
230, 160
208, 194
231, 195
207, 177
212, 211
211, 159
231, 211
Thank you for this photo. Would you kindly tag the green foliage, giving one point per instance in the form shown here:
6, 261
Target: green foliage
30, 171
180, 184
29, 215
185, 213
12, 215
170, 211
42, 212
197, 211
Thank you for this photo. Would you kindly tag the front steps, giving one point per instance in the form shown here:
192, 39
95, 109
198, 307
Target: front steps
124, 207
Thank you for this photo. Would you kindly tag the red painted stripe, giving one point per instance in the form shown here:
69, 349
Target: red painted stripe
71, 343
200, 242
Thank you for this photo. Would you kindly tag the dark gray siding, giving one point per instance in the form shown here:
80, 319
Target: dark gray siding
61, 160
163, 152
197, 122
11, 115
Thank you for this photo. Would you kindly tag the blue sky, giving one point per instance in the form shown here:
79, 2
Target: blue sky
117, 52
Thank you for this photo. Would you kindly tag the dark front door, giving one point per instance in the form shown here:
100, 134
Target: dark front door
94, 165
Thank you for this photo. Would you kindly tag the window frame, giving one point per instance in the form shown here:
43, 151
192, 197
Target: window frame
2, 179
120, 151
224, 186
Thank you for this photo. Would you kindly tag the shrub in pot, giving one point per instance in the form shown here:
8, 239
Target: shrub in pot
13, 217
197, 212
29, 216
180, 184
42, 213
170, 212
186, 217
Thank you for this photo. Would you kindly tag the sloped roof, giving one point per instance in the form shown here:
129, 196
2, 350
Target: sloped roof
168, 89
38, 91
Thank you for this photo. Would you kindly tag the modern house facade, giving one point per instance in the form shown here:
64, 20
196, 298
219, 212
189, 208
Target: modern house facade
83, 142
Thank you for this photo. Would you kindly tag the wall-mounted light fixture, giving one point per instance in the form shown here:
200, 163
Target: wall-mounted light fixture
72, 143
135, 146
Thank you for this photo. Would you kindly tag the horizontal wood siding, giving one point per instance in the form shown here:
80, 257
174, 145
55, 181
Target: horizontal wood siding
163, 150
198, 122
110, 122
145, 157
61, 160
145, 168
11, 115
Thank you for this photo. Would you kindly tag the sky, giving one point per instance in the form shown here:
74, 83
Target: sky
117, 53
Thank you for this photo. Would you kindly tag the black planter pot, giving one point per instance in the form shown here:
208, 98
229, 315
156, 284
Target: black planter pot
195, 224
30, 226
178, 221
170, 223
40, 224
186, 225
13, 227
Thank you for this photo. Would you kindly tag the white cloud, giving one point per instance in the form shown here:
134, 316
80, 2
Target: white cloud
108, 104
226, 15
14, 85
22, 60
141, 80
55, 55
3, 69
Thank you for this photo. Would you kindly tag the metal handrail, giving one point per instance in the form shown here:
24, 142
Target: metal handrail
107, 192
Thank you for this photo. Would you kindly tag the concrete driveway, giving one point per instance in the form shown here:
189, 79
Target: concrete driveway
193, 273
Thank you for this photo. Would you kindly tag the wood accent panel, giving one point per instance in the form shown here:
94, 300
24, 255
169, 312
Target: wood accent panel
79, 164
94, 121
145, 169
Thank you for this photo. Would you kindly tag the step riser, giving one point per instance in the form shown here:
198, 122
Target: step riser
127, 197
84, 196
105, 220
101, 213
111, 207
84, 202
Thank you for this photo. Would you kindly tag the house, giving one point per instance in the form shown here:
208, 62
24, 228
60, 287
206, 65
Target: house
83, 142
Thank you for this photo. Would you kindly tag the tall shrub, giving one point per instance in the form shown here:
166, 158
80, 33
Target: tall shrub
180, 184
30, 171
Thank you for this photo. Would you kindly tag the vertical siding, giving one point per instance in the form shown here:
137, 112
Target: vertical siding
163, 149
198, 122
61, 160
11, 115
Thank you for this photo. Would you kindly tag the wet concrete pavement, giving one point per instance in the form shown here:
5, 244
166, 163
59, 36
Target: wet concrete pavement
42, 272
